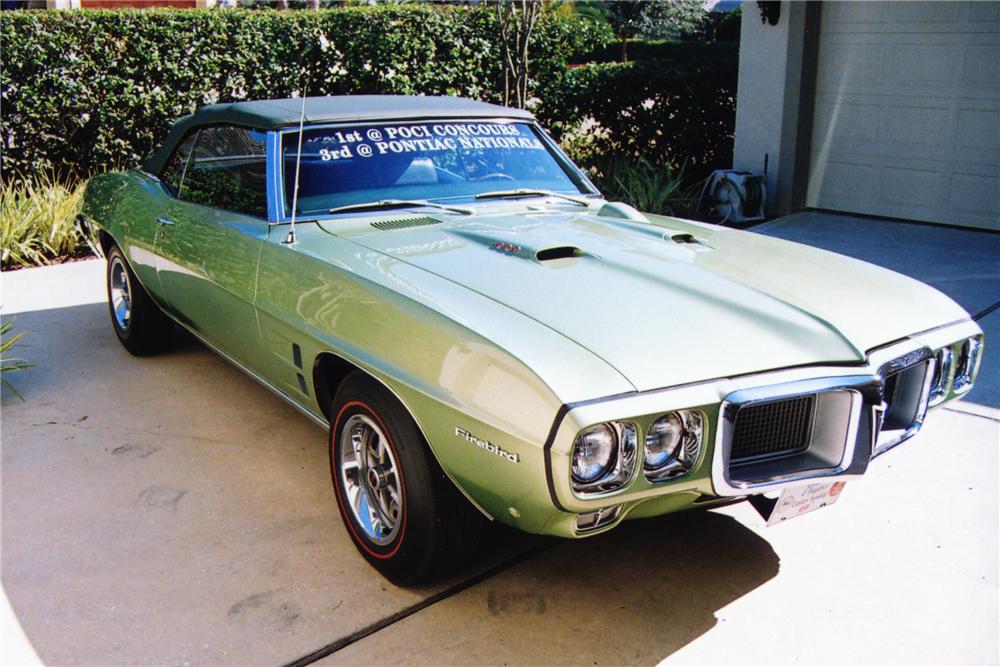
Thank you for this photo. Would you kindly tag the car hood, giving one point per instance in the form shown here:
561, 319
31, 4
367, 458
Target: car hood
670, 302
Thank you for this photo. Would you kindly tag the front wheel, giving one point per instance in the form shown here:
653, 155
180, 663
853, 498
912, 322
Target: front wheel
402, 513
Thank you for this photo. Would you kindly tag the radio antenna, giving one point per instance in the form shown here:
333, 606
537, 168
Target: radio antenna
298, 152
298, 161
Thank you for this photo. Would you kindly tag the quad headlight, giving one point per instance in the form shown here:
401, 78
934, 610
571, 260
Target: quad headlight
673, 443
595, 449
967, 364
603, 457
663, 440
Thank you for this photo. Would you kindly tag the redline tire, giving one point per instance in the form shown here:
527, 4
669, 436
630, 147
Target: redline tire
434, 529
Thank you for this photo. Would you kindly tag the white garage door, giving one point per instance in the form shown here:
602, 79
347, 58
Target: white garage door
907, 114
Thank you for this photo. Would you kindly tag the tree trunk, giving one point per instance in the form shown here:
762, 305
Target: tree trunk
516, 20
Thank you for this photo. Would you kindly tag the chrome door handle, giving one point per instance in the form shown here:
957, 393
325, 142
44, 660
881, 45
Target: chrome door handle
164, 220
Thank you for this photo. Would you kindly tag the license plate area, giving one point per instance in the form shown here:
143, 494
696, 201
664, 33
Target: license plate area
795, 501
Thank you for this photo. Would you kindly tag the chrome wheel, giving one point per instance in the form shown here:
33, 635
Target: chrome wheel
371, 480
120, 293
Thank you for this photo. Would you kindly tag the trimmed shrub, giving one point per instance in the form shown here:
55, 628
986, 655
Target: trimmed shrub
658, 49
86, 90
673, 112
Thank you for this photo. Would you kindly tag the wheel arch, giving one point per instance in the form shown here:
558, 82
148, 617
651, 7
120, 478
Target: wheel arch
106, 241
329, 372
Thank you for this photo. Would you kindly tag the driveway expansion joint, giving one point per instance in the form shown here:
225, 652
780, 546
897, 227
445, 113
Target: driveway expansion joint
406, 612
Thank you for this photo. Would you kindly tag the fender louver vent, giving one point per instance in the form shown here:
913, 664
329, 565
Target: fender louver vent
403, 223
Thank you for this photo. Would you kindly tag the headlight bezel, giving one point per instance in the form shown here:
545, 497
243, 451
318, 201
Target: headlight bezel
686, 453
966, 364
620, 470
629, 464
944, 368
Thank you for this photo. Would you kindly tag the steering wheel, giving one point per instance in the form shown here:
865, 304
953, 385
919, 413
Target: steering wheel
495, 176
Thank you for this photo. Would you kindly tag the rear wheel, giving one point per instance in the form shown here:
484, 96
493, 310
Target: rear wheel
138, 322
402, 513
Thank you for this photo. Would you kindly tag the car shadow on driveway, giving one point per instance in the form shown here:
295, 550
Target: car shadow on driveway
171, 510
633, 596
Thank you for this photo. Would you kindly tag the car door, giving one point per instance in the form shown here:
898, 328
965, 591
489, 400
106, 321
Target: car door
209, 241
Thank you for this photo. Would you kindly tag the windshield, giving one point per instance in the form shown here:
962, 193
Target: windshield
419, 160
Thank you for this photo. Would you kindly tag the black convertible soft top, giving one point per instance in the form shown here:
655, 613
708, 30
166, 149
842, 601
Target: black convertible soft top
273, 114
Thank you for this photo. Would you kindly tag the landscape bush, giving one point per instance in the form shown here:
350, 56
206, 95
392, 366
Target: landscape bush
87, 91
8, 364
670, 111
655, 49
649, 187
84, 90
38, 221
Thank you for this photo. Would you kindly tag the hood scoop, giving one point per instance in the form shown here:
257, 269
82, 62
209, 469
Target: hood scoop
559, 252
392, 224
689, 241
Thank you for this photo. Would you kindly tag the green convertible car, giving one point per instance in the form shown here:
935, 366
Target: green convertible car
486, 336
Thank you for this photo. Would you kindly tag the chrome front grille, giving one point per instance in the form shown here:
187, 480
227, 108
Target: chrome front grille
783, 430
772, 429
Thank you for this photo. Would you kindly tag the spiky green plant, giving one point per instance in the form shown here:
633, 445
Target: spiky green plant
38, 221
649, 187
10, 364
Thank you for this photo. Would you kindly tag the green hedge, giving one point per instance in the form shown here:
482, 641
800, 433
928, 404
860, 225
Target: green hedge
656, 49
87, 90
83, 91
671, 111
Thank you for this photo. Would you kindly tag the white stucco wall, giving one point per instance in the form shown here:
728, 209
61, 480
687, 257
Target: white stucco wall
767, 98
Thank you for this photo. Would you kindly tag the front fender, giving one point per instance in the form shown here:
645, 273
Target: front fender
482, 408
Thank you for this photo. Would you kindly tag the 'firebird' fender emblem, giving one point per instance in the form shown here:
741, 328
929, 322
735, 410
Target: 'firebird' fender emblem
487, 445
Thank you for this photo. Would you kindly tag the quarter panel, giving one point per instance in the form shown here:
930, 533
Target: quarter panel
125, 205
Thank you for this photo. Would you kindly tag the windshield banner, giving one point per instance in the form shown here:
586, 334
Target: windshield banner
423, 138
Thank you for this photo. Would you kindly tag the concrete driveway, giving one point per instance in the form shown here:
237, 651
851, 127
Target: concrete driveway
172, 511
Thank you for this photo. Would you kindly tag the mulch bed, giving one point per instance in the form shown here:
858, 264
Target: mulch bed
65, 259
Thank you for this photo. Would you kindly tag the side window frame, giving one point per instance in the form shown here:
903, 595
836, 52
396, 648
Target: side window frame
265, 158
192, 135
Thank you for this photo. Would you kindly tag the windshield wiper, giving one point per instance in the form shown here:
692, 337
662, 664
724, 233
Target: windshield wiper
523, 192
398, 203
